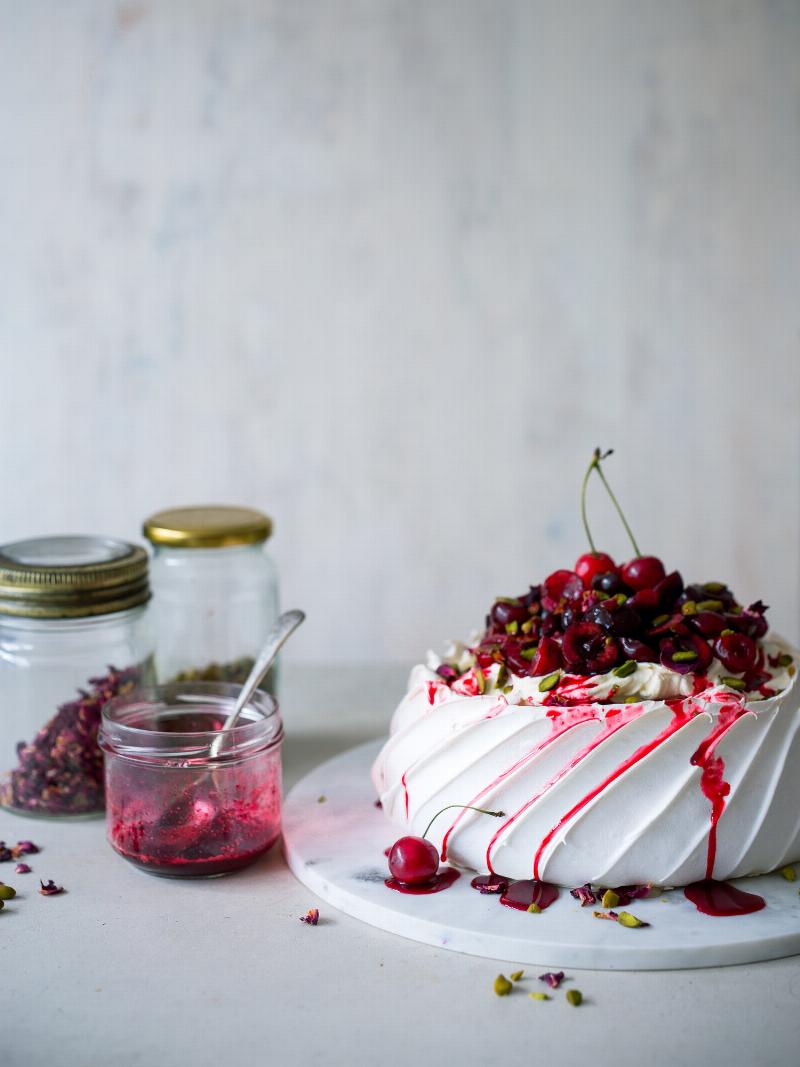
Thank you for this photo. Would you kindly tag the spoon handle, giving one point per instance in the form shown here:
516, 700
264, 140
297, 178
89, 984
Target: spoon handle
284, 627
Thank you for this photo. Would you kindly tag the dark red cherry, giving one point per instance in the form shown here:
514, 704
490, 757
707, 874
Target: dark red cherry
586, 646
668, 590
686, 655
625, 621
547, 658
638, 650
413, 860
707, 623
737, 652
505, 611
645, 602
591, 565
674, 624
605, 658
644, 572
600, 616
609, 583
560, 585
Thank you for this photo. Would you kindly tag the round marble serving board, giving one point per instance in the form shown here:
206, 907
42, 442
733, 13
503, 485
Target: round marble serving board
336, 847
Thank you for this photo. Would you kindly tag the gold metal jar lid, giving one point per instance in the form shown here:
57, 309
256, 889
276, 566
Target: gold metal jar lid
211, 526
72, 577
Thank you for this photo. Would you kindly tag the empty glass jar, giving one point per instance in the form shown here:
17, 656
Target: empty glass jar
73, 634
215, 592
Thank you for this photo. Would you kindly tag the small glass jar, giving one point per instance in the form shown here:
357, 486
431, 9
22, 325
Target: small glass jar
73, 634
215, 593
173, 808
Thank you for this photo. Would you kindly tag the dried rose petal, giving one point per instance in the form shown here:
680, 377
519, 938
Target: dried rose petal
311, 917
22, 868
5, 853
606, 915
627, 893
26, 848
552, 978
448, 673
584, 894
49, 888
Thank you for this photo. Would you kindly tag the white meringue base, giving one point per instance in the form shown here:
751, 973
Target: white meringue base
647, 823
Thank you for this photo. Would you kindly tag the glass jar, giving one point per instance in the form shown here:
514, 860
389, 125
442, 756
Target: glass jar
215, 592
176, 810
73, 633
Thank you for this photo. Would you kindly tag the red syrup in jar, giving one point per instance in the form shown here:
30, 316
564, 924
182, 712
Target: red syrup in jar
187, 819
722, 898
442, 880
522, 894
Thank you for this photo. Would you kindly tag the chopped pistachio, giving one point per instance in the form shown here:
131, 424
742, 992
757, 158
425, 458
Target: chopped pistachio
516, 975
480, 678
534, 909
734, 683
529, 653
7, 892
507, 689
610, 899
621, 598
659, 620
321, 799
713, 587
684, 656
689, 608
632, 699
625, 669
626, 919
549, 682
512, 627
539, 996
600, 595
527, 626
574, 997
785, 660
502, 676
709, 605
789, 873
502, 986
726, 633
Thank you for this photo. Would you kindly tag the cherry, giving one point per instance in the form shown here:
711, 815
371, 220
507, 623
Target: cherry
638, 650
413, 860
645, 601
643, 572
737, 652
668, 589
505, 611
591, 565
547, 658
561, 584
586, 644
609, 583
708, 623
625, 621
686, 655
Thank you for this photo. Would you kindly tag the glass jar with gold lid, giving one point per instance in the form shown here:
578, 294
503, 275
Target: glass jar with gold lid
73, 633
215, 592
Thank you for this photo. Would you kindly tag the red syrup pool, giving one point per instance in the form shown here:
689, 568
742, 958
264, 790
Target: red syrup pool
490, 883
522, 894
721, 898
443, 880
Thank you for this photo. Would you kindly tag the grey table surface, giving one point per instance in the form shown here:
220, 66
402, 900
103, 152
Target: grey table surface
128, 969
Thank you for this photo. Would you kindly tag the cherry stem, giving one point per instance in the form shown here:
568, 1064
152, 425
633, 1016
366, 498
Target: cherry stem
586, 478
464, 807
595, 465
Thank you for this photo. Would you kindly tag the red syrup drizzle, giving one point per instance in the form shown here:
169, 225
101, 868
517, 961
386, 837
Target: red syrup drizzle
620, 718
681, 717
522, 894
490, 883
722, 898
443, 880
711, 897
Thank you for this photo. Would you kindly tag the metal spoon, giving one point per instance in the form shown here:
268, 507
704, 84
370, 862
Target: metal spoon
284, 627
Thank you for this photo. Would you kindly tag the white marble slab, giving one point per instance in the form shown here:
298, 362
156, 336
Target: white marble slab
336, 846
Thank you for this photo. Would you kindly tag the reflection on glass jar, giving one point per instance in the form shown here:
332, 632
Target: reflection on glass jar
174, 809
73, 634
215, 592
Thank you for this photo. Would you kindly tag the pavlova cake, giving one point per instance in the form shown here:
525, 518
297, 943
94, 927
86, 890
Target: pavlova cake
627, 727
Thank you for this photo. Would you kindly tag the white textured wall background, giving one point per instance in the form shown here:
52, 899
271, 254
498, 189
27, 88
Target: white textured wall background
390, 271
